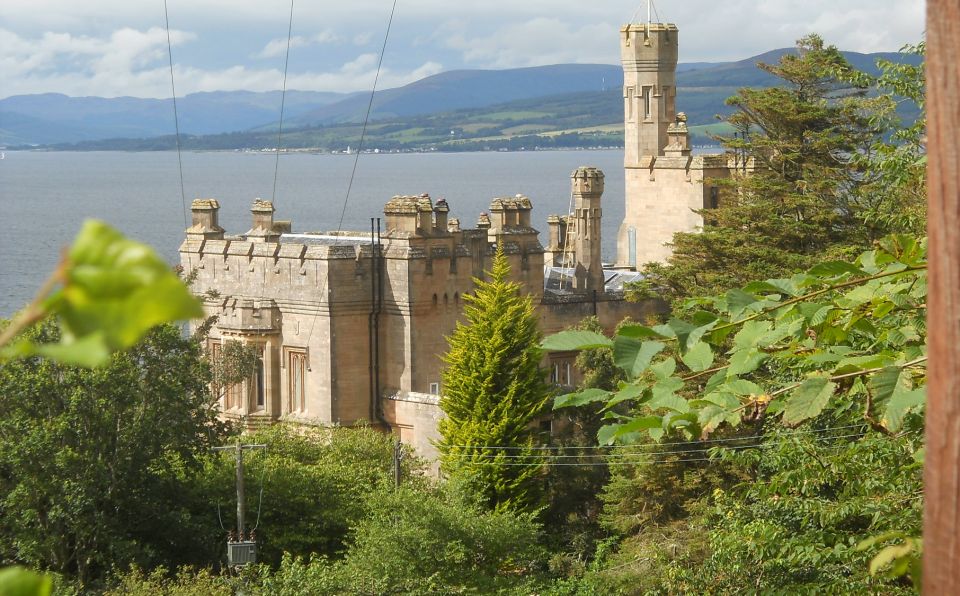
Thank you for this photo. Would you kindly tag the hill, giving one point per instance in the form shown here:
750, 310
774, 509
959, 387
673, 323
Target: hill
449, 111
56, 118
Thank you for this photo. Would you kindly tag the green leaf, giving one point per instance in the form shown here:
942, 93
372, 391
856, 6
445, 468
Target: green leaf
742, 387
580, 398
627, 392
808, 400
611, 432
17, 581
114, 291
751, 333
738, 301
745, 361
638, 332
634, 356
834, 269
664, 368
892, 391
682, 331
699, 357
664, 396
575, 340
900, 404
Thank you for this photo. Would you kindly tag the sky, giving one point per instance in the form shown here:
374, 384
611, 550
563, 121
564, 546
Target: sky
113, 48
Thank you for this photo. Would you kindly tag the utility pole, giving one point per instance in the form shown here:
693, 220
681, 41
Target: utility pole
241, 548
941, 523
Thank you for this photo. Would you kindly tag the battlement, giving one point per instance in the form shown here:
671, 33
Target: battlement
649, 47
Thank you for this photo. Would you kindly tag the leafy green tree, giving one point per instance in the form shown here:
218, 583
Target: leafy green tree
806, 199
493, 391
90, 458
842, 342
314, 483
896, 195
417, 541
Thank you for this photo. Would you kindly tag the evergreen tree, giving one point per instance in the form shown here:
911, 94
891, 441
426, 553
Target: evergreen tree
806, 199
493, 390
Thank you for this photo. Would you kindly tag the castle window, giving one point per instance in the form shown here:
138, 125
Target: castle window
714, 197
297, 380
258, 383
456, 297
434, 388
647, 99
434, 300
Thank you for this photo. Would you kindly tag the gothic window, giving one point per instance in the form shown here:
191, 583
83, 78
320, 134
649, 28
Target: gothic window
297, 380
647, 100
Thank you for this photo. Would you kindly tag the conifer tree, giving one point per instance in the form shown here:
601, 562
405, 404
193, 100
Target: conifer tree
493, 389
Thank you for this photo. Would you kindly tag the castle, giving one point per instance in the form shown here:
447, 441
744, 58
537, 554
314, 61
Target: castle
351, 326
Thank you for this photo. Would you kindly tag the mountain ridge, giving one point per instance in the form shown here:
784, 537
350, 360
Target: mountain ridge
56, 119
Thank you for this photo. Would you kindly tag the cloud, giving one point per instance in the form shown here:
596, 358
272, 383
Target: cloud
534, 42
278, 47
118, 46
131, 62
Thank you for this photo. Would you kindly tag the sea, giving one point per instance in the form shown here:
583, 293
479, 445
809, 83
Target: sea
45, 196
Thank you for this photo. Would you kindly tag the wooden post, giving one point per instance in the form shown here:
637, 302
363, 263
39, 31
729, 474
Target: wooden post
941, 527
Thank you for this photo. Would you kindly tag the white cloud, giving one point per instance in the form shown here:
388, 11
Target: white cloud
118, 46
534, 42
130, 62
278, 47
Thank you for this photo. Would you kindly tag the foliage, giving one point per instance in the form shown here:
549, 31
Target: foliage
840, 336
786, 519
186, 582
301, 468
810, 185
112, 290
417, 541
91, 460
897, 192
16, 581
493, 389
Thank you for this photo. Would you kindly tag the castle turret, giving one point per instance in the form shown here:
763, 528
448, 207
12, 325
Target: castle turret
648, 52
587, 187
204, 214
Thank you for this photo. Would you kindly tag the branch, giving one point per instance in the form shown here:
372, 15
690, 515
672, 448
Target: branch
34, 311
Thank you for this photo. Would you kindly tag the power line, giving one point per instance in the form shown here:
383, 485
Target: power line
283, 100
656, 445
637, 456
176, 119
353, 172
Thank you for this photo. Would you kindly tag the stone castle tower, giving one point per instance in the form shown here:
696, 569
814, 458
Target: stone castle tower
664, 184
587, 189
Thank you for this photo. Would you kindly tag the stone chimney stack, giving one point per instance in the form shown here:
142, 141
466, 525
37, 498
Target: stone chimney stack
587, 186
262, 230
440, 211
409, 215
524, 207
205, 216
